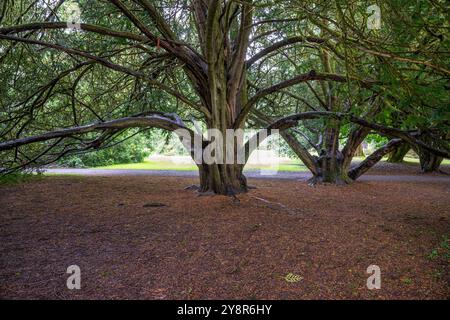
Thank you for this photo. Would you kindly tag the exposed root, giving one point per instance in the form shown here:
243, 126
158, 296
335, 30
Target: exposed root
438, 171
235, 199
342, 181
192, 187
206, 194
274, 205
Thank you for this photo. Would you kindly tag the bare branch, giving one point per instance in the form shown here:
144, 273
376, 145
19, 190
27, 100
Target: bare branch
282, 44
158, 121
63, 25
112, 66
371, 160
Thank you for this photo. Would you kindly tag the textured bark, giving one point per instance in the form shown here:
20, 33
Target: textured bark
331, 160
428, 161
331, 169
397, 155
371, 160
302, 153
354, 141
224, 179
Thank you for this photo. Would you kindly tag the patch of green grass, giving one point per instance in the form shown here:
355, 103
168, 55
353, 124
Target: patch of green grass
407, 281
151, 165
19, 177
166, 165
285, 167
442, 251
292, 166
65, 175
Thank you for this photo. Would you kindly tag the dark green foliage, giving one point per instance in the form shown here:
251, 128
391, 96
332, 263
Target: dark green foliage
132, 150
19, 177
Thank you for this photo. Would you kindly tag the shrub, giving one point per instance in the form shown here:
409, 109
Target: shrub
131, 150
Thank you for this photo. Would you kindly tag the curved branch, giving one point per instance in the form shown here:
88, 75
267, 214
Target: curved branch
370, 161
112, 66
157, 121
158, 19
408, 136
281, 44
310, 76
292, 120
189, 57
63, 25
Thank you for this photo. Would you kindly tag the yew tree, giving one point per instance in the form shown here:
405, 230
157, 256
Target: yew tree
396, 76
71, 84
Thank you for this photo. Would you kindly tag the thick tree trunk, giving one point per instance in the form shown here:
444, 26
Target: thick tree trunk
331, 169
428, 161
224, 179
399, 153
331, 160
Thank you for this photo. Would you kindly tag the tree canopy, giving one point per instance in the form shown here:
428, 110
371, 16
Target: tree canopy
78, 75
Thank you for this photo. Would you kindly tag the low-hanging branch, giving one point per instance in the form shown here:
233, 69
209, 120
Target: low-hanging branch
292, 120
281, 44
310, 76
64, 25
377, 155
112, 66
171, 122
156, 121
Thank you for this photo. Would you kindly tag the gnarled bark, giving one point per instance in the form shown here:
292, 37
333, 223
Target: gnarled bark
371, 160
330, 169
308, 160
397, 155
429, 162
225, 179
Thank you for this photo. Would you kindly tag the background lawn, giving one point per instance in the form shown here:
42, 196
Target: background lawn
285, 165
167, 165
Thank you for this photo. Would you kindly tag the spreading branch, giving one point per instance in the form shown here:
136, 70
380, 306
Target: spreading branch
156, 121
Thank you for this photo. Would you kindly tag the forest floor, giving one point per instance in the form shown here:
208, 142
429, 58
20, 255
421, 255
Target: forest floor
283, 240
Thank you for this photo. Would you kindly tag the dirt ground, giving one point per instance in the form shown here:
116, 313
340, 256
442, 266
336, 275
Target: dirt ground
325, 237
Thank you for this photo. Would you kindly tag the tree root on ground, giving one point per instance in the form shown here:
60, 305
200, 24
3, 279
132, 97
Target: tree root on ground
274, 205
192, 187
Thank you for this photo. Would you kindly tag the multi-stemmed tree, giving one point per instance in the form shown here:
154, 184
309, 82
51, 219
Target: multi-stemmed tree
403, 94
71, 85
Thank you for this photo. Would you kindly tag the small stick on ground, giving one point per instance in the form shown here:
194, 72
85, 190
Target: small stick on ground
274, 205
